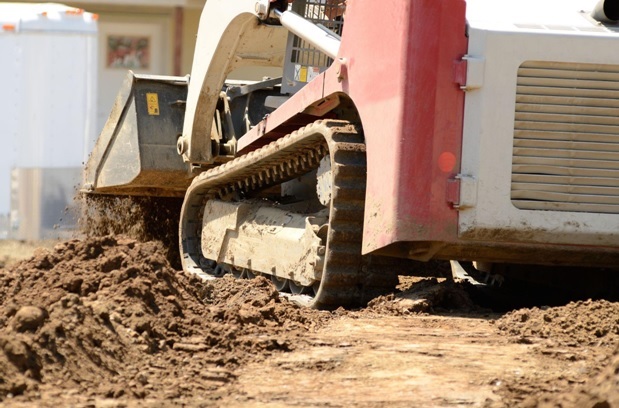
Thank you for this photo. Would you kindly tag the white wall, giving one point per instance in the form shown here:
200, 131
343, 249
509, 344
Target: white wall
10, 78
42, 203
49, 91
56, 99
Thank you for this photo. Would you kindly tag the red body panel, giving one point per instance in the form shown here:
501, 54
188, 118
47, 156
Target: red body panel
399, 59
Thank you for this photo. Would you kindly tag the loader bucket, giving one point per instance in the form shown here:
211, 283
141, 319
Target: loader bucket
135, 153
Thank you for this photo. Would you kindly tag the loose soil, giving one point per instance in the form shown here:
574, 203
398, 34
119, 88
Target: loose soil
108, 321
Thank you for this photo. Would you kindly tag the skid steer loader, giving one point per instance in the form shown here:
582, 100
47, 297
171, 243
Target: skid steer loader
480, 131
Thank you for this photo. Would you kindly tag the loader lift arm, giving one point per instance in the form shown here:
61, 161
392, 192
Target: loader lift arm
230, 36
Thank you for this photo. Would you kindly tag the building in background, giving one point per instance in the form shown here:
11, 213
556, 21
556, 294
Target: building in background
38, 128
146, 36
48, 78
155, 37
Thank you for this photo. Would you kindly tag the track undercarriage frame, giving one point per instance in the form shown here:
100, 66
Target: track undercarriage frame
328, 264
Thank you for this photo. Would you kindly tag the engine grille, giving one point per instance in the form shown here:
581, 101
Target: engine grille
566, 138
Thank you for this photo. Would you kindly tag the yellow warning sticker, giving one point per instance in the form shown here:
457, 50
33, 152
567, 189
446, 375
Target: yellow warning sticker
303, 74
300, 73
152, 102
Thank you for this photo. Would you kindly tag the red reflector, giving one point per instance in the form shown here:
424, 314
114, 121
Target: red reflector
446, 162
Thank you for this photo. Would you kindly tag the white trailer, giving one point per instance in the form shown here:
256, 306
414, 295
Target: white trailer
48, 76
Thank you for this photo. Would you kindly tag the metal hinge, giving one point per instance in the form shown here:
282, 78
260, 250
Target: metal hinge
462, 192
469, 72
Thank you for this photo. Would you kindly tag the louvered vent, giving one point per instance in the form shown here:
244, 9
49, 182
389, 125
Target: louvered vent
566, 138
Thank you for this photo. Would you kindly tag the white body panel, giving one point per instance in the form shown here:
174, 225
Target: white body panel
48, 80
501, 38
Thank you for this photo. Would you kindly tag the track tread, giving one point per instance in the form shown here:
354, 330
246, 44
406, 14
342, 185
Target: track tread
347, 279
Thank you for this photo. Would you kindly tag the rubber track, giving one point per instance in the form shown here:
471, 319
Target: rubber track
348, 278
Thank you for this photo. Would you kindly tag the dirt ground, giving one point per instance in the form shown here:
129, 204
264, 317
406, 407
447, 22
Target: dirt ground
12, 251
108, 322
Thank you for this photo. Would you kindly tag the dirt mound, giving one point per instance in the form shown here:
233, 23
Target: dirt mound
108, 320
604, 389
110, 317
584, 333
424, 296
580, 323
601, 391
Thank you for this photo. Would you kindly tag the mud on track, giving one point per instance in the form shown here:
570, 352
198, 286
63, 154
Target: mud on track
107, 321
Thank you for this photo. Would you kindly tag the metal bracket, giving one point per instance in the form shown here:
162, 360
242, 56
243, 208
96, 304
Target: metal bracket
460, 72
469, 72
262, 9
462, 192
